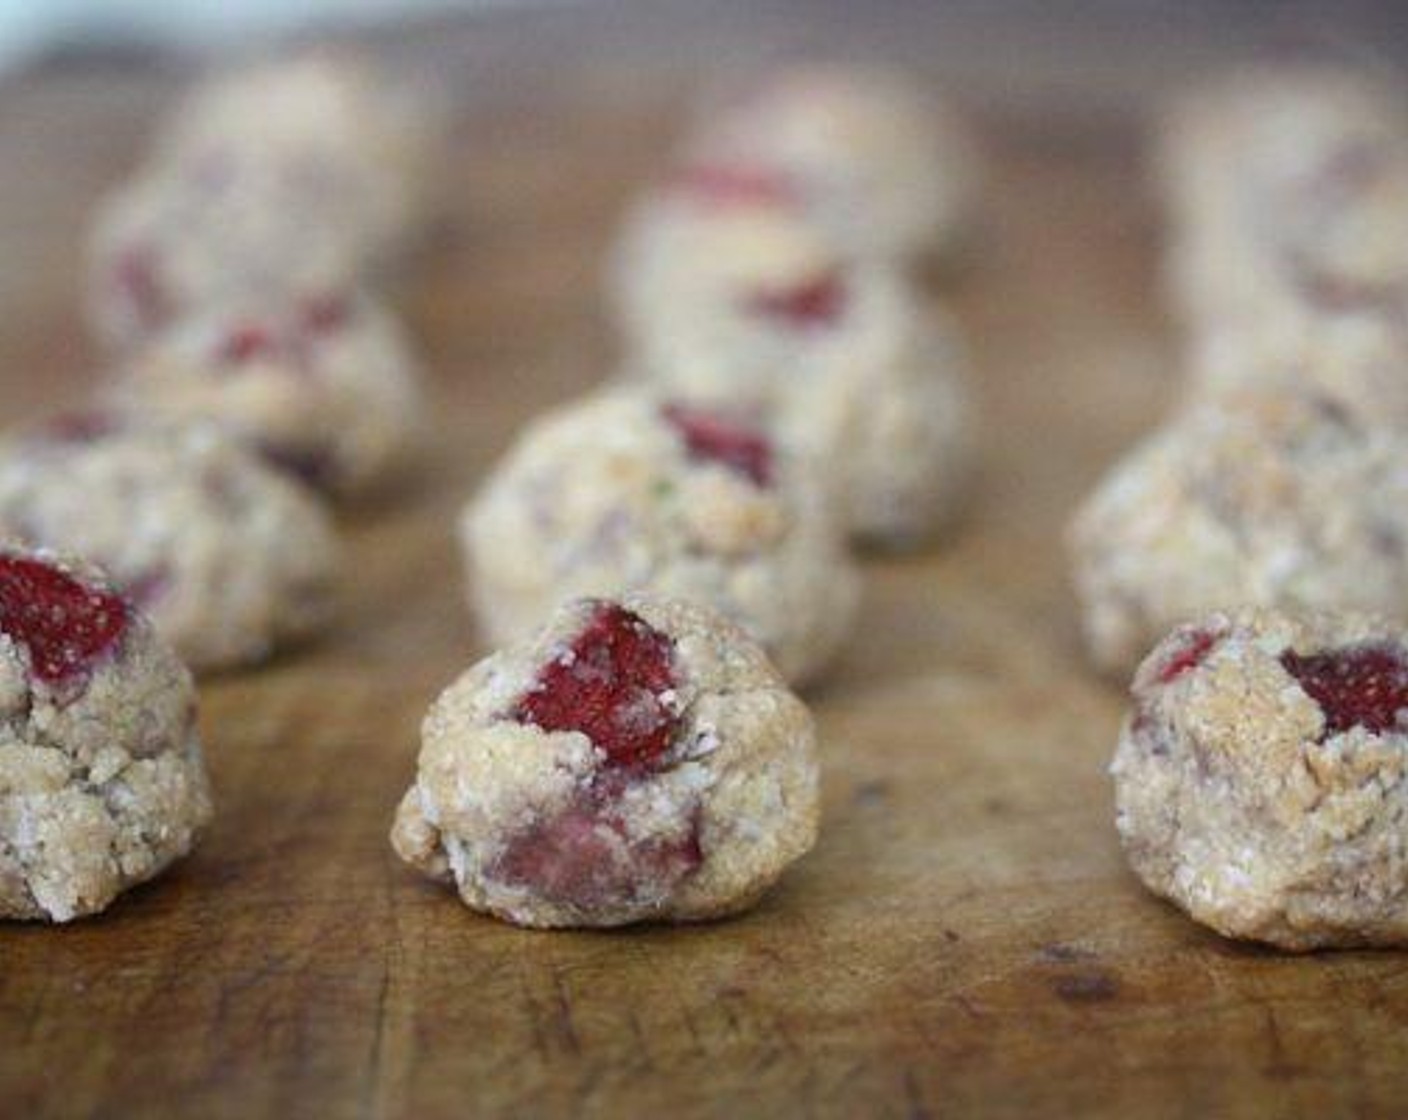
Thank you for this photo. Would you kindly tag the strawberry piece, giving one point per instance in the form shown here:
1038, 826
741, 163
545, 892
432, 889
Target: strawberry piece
612, 685
734, 185
1197, 644
65, 625
815, 302
246, 342
1358, 686
712, 437
581, 857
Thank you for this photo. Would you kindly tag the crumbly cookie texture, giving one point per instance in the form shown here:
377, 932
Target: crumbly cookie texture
102, 785
1276, 497
632, 490
290, 178
228, 558
639, 760
885, 167
326, 387
846, 357
1260, 780
1288, 190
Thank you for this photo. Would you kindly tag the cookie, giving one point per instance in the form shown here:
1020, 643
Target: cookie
348, 135
1260, 782
163, 251
1275, 497
326, 387
102, 785
228, 558
884, 167
280, 181
637, 760
1288, 189
632, 490
849, 359
736, 295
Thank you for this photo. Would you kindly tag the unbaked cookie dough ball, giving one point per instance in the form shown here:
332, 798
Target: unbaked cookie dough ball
1263, 497
738, 297
883, 166
102, 785
1288, 189
163, 251
900, 426
849, 359
638, 760
1261, 782
345, 134
1270, 123
327, 387
282, 181
228, 558
631, 490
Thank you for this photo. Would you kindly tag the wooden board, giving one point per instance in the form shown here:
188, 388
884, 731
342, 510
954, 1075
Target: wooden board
965, 939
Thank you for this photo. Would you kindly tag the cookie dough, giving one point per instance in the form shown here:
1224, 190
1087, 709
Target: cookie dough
102, 785
163, 251
228, 558
344, 134
637, 760
285, 180
1288, 193
735, 295
1276, 497
849, 359
884, 167
1261, 782
631, 490
326, 387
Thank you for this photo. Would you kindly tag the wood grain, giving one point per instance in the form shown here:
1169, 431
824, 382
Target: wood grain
965, 939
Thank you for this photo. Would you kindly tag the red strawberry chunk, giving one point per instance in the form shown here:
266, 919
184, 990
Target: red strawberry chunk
1193, 652
1357, 686
815, 302
734, 185
246, 342
65, 625
612, 684
713, 437
581, 857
